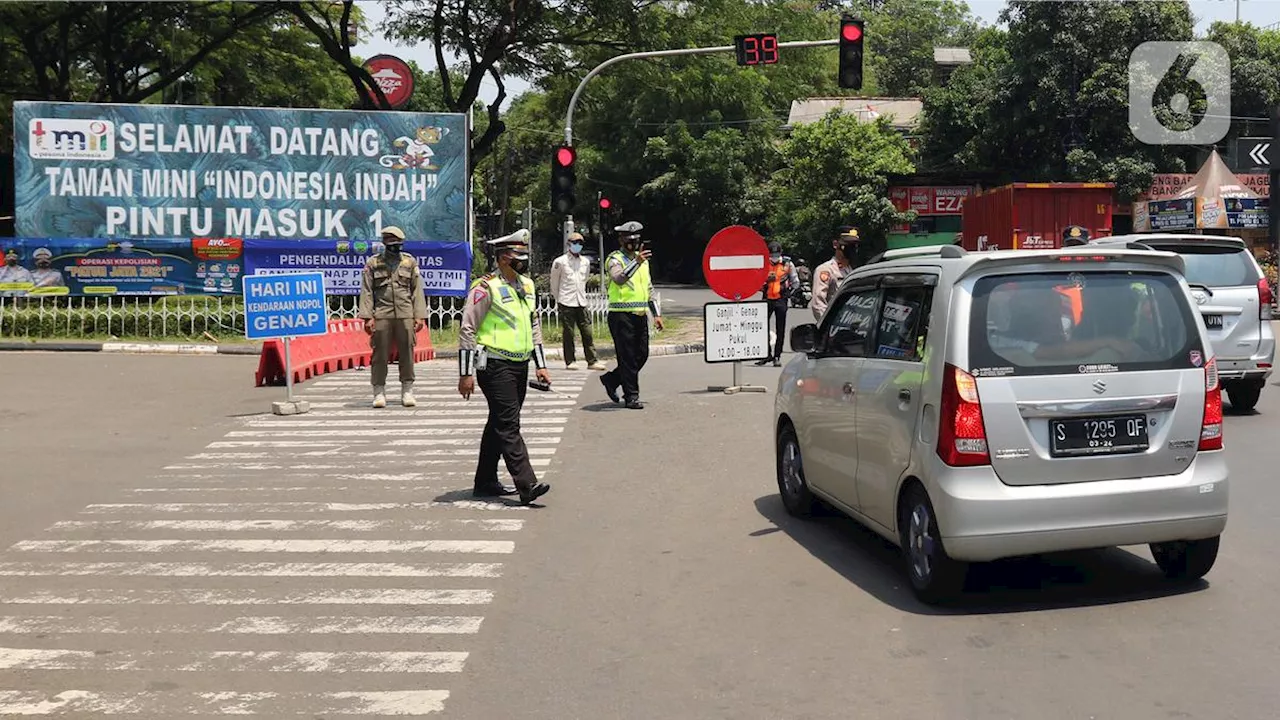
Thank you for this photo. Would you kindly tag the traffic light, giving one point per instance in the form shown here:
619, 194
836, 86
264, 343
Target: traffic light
563, 177
605, 204
851, 37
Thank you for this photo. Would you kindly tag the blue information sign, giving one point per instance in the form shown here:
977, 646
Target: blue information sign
278, 306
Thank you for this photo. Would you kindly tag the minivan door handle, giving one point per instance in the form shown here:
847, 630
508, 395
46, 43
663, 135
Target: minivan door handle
904, 395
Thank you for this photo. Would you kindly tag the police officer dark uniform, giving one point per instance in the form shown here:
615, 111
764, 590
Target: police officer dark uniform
630, 301
500, 334
394, 308
1073, 235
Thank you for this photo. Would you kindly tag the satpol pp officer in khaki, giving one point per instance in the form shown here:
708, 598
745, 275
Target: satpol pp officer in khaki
394, 308
500, 334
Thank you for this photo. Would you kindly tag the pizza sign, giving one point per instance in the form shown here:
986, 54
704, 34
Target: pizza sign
393, 76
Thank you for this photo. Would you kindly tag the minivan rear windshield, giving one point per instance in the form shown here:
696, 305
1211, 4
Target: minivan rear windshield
1215, 266
1054, 323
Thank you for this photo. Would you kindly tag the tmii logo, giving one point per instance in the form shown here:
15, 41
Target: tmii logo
65, 139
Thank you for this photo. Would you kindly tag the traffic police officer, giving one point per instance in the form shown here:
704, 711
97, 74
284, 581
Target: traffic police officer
630, 299
829, 274
394, 309
500, 333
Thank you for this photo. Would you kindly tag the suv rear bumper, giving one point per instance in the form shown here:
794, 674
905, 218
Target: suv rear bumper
982, 519
1257, 367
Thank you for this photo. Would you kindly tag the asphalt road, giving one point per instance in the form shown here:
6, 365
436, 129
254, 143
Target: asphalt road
347, 574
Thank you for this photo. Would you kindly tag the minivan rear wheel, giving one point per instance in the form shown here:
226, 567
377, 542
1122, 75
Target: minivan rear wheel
1186, 559
935, 576
793, 488
1243, 395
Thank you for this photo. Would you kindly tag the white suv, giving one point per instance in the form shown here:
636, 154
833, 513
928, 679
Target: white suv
1234, 298
975, 406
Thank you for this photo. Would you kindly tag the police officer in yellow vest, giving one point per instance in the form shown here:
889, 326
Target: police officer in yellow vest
500, 334
630, 301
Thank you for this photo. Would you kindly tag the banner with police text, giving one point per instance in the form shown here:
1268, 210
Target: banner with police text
84, 170
147, 266
445, 266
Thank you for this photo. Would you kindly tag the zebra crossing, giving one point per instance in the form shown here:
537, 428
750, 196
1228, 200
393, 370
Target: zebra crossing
328, 564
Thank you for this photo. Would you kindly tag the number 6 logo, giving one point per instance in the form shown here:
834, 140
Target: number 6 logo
1164, 80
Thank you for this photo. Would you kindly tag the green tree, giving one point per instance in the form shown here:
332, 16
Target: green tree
835, 172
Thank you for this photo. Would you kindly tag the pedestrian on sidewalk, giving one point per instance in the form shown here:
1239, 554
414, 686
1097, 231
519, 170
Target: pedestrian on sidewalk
569, 274
782, 281
500, 334
830, 273
394, 309
630, 301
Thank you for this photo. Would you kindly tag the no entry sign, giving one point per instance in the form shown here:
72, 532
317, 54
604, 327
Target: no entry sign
736, 262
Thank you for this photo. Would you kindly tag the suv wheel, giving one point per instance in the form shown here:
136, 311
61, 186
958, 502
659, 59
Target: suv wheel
791, 483
1243, 395
1186, 559
935, 577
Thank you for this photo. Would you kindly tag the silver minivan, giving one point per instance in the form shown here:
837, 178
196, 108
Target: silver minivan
1234, 297
975, 406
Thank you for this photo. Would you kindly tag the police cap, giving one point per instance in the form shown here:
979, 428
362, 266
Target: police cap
849, 235
1074, 235
518, 242
629, 228
393, 232
42, 254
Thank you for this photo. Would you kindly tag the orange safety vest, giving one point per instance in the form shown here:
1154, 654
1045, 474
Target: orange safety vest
1072, 293
773, 290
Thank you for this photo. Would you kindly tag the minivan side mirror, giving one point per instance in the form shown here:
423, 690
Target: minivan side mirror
804, 338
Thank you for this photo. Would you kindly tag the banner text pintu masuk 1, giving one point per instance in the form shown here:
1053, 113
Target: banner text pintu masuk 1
165, 171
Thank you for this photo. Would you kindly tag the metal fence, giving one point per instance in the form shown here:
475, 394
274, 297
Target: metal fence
196, 318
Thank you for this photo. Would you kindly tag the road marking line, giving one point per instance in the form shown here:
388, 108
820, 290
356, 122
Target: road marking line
398, 526
357, 596
141, 569
462, 449
412, 488
249, 625
348, 435
535, 462
292, 506
232, 661
468, 438
353, 415
501, 547
458, 404
404, 703
392, 426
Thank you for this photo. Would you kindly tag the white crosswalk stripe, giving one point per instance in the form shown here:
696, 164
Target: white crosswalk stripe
311, 549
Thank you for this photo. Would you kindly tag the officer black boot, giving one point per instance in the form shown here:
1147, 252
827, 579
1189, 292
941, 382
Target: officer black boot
493, 489
533, 492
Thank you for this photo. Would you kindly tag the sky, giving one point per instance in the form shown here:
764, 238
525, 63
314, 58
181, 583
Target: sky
1258, 12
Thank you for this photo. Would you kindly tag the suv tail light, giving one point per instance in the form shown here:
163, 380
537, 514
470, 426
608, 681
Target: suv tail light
962, 437
1265, 298
1211, 425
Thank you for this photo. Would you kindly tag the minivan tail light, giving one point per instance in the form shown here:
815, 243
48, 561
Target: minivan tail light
1265, 298
1211, 425
962, 436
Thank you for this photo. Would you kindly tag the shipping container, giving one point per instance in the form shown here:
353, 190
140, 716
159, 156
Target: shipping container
1033, 215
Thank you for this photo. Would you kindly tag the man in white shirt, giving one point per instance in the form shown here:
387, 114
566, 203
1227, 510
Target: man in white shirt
569, 274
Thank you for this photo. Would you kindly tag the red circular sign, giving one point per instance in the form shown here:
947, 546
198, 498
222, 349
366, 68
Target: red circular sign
394, 77
736, 262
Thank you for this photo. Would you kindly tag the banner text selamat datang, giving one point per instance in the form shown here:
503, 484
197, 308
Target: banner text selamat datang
207, 187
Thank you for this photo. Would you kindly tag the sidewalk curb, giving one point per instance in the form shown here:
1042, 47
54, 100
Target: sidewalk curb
190, 349
127, 347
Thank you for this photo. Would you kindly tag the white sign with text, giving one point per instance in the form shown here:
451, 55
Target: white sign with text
736, 331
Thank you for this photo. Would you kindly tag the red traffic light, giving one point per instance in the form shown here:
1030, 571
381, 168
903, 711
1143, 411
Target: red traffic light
851, 32
605, 204
565, 156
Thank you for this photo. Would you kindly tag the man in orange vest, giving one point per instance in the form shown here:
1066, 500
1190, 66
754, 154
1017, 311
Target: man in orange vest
777, 290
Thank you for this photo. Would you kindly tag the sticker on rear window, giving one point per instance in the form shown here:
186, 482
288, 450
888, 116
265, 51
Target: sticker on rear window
1076, 279
1195, 357
1099, 368
993, 372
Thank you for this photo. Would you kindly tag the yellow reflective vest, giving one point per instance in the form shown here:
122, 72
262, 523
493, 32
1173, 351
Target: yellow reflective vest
507, 328
632, 296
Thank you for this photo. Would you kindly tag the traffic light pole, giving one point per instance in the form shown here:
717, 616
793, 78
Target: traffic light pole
573, 101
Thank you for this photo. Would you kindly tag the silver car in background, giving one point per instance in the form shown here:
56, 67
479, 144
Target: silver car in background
975, 406
1234, 298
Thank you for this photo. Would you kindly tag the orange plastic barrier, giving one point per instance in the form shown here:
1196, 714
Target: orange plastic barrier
345, 346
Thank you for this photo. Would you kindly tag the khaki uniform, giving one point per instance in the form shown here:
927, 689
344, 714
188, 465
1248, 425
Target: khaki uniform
392, 296
825, 281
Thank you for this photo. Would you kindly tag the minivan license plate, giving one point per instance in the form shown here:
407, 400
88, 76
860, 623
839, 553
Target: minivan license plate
1213, 322
1098, 436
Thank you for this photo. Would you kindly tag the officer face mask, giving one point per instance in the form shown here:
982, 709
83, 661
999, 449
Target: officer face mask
575, 248
775, 259
519, 265
393, 246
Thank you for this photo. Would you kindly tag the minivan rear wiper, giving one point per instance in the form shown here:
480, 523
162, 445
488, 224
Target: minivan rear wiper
1205, 288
